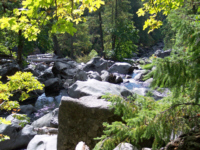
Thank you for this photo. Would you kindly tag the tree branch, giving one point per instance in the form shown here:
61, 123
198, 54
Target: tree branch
176, 105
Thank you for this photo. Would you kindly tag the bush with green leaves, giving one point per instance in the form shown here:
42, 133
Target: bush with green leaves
145, 118
86, 58
5, 50
22, 82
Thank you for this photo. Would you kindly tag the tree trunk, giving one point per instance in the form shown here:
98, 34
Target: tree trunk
101, 35
20, 47
115, 22
56, 46
72, 47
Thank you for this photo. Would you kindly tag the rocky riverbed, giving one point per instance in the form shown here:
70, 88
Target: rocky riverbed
70, 109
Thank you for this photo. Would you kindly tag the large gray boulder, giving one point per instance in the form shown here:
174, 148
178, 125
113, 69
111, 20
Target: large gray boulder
65, 69
121, 67
8, 69
81, 120
19, 137
97, 88
43, 142
69, 73
48, 120
97, 64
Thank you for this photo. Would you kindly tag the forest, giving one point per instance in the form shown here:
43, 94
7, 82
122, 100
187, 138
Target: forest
115, 30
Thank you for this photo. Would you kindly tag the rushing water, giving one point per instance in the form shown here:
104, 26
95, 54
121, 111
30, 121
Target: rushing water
131, 83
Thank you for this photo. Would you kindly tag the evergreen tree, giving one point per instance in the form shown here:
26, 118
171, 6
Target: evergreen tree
118, 28
145, 118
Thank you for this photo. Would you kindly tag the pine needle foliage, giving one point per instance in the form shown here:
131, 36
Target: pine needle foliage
181, 71
177, 113
145, 118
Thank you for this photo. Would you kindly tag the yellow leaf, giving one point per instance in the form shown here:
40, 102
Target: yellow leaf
140, 12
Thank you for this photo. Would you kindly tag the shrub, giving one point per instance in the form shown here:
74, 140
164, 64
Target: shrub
20, 82
86, 58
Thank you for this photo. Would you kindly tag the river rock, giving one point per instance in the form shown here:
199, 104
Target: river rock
80, 75
27, 109
125, 146
69, 73
65, 69
140, 91
41, 67
104, 75
8, 69
153, 93
162, 54
96, 64
140, 74
46, 130
94, 75
148, 82
43, 142
31, 68
52, 86
82, 146
128, 76
97, 88
48, 120
67, 83
118, 79
81, 120
47, 74
121, 67
19, 137
159, 94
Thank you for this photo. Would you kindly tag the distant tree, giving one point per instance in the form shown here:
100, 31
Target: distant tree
81, 43
119, 31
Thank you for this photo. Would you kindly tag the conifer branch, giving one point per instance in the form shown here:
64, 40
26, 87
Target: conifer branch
176, 105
